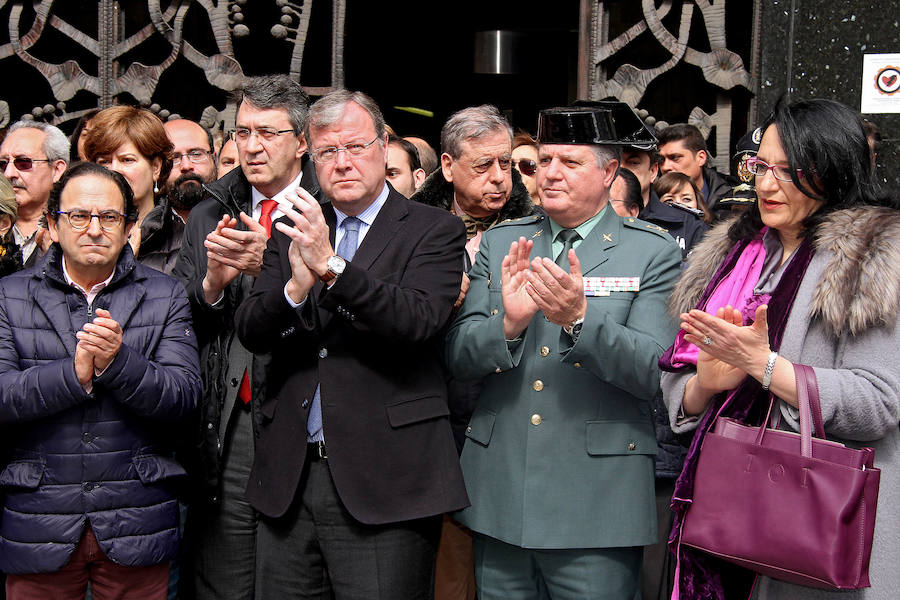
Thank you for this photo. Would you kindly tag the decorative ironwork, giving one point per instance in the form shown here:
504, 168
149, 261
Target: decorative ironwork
722, 69
112, 48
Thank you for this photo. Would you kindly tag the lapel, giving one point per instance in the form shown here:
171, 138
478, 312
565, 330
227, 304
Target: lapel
542, 238
594, 250
382, 231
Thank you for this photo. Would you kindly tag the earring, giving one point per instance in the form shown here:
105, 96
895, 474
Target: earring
155, 187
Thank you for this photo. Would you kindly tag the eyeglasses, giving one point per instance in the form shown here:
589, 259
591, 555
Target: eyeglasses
329, 153
22, 163
526, 166
195, 156
80, 220
781, 172
482, 166
264, 134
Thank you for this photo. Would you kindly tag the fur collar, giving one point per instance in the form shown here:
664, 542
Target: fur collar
860, 286
438, 192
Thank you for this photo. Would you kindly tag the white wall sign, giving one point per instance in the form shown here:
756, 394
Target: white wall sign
880, 83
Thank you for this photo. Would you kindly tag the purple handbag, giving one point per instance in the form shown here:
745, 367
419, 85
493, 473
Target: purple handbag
792, 507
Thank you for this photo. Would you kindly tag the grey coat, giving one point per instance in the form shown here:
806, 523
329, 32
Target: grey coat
851, 285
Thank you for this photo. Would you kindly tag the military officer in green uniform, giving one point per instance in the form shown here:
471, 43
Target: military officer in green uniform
565, 320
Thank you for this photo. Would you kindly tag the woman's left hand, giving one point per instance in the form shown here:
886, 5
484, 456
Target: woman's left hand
745, 347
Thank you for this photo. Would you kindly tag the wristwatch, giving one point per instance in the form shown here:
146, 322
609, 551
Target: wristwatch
575, 328
336, 266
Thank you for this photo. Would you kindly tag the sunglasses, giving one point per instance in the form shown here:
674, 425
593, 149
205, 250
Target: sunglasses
526, 166
22, 163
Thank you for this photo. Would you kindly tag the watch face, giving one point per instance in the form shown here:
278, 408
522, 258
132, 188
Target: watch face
336, 264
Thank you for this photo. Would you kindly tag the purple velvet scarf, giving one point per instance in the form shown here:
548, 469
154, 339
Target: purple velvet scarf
701, 575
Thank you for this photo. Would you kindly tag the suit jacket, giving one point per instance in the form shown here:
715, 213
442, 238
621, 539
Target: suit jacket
560, 448
372, 340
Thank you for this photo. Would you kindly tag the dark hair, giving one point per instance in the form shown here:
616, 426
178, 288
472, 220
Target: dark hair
84, 169
874, 134
276, 91
675, 180
825, 140
409, 148
633, 198
689, 135
76, 133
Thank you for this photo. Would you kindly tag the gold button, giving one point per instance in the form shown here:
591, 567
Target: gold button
536, 419
495, 311
577, 365
631, 447
538, 385
545, 351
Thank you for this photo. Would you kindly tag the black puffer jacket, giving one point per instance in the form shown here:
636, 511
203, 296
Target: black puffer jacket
215, 326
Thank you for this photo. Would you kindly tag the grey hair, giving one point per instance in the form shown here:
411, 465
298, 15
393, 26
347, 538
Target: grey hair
277, 91
329, 109
604, 154
56, 144
472, 123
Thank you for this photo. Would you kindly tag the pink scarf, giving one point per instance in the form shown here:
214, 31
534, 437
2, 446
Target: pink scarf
735, 289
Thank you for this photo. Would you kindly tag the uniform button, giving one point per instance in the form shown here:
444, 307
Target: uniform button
545, 351
495, 311
577, 365
632, 446
87, 438
234, 382
498, 370
468, 430
538, 385
305, 403
210, 425
215, 499
323, 353
87, 486
536, 419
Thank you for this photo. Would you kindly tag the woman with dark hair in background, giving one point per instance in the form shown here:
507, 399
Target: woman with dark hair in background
808, 275
132, 141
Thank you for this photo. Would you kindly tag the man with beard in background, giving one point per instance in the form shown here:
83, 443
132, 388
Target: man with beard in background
193, 164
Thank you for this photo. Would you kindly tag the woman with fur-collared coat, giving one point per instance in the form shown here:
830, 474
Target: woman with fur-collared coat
809, 276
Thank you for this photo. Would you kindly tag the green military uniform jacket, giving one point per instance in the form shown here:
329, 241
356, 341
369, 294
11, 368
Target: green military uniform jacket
560, 450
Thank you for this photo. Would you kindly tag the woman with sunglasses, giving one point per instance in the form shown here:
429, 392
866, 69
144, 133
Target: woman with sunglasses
809, 276
132, 141
525, 157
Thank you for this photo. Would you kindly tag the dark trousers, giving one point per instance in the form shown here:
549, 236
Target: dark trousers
224, 536
318, 551
88, 564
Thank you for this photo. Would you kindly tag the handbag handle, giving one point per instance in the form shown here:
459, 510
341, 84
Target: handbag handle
808, 405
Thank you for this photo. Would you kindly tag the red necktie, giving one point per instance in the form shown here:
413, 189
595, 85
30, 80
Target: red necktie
265, 219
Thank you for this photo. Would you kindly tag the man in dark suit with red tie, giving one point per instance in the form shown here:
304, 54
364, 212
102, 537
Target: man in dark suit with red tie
220, 256
355, 461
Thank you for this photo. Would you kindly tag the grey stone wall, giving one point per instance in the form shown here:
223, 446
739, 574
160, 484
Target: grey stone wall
815, 48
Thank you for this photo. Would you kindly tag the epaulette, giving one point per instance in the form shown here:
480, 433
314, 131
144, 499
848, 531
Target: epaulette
640, 225
526, 220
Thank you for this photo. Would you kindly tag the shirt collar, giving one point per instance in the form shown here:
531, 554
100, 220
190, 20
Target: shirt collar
258, 196
583, 230
367, 216
95, 289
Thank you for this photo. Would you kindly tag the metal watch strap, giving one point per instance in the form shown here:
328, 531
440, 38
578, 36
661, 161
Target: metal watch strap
770, 368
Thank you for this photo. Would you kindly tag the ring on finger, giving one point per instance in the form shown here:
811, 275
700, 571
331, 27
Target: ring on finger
707, 341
